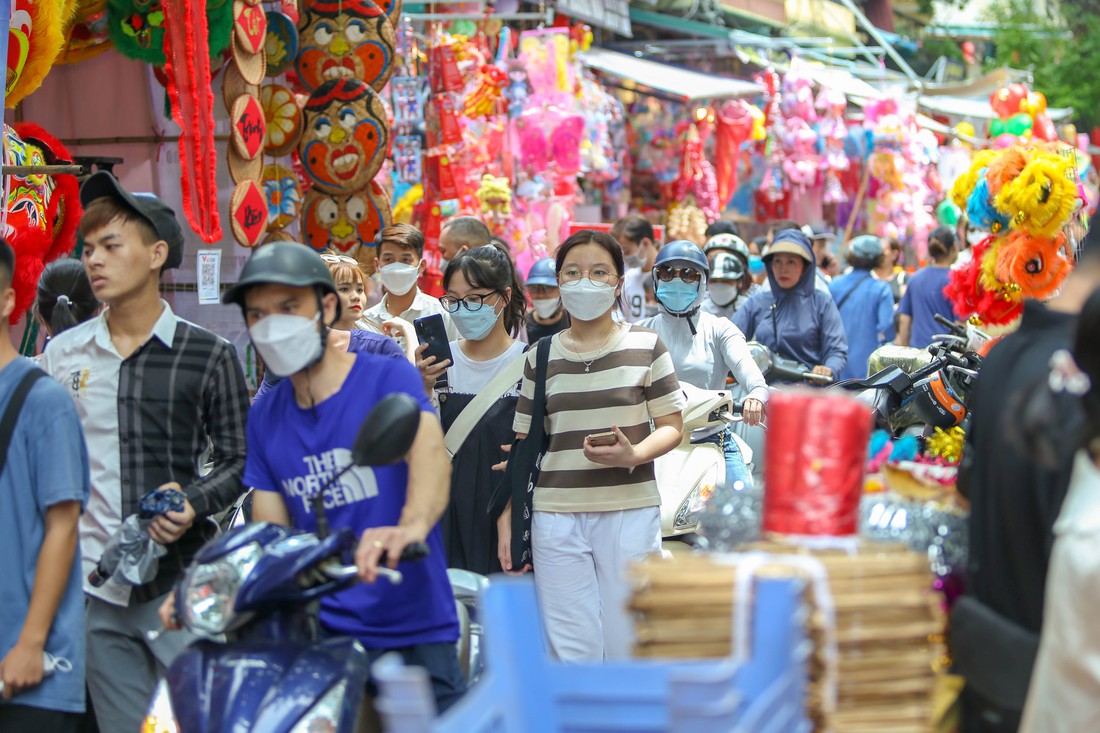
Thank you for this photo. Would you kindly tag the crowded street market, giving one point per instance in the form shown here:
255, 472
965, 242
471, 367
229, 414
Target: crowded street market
545, 367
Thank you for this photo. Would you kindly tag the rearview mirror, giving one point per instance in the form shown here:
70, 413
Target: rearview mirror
388, 432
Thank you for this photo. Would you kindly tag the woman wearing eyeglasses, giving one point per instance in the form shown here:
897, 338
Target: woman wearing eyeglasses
596, 504
705, 348
487, 303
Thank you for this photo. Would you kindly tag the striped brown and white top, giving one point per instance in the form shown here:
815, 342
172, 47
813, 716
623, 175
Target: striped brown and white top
632, 383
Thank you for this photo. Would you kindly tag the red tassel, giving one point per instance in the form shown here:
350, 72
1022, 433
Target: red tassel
187, 48
816, 453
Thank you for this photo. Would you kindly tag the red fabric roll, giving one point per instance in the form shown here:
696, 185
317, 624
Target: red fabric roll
816, 456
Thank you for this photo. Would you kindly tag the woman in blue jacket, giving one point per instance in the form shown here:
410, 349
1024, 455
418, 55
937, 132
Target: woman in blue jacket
792, 318
866, 304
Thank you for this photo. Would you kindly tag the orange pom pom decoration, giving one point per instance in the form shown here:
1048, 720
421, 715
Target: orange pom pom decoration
1037, 265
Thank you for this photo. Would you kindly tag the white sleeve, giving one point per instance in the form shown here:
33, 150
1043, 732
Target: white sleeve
735, 351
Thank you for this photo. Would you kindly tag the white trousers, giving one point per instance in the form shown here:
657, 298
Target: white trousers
580, 564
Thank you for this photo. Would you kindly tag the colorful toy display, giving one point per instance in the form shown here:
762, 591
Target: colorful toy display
1024, 196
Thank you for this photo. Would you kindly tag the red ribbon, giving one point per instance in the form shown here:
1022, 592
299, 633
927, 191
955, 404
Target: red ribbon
187, 49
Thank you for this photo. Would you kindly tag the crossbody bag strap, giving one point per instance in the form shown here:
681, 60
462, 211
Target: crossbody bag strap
850, 293
11, 413
538, 407
500, 385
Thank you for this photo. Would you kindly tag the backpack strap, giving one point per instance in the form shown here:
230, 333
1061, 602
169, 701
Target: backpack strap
11, 413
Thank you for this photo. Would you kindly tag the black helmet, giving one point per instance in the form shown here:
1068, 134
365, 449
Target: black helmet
282, 263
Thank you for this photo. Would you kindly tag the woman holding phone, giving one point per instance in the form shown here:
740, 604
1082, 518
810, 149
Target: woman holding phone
596, 504
487, 304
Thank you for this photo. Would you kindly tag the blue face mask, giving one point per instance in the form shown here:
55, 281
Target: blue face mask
756, 265
676, 295
475, 325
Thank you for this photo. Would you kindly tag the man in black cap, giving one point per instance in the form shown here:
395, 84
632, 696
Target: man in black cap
153, 392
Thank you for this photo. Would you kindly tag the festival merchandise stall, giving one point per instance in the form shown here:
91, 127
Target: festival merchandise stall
315, 121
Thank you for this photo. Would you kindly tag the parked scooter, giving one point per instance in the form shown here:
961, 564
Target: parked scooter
689, 474
932, 396
257, 585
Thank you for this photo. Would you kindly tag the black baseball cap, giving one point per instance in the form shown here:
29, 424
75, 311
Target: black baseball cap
159, 214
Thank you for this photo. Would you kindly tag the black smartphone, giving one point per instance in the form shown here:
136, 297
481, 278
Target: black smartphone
431, 330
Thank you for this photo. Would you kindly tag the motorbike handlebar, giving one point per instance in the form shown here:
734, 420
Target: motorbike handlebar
335, 570
950, 325
817, 378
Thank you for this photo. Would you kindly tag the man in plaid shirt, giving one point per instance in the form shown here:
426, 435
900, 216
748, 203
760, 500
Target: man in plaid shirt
154, 393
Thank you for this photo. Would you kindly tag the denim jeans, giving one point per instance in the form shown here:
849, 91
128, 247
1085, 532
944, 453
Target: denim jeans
736, 470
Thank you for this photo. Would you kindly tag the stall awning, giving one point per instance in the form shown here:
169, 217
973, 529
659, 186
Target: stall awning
673, 81
977, 108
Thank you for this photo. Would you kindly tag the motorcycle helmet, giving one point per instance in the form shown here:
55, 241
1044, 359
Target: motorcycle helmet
543, 273
727, 267
937, 403
676, 293
283, 263
727, 243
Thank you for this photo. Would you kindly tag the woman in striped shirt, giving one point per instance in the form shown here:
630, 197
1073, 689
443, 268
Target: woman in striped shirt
596, 505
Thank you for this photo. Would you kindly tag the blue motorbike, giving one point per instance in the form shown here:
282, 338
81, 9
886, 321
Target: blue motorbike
257, 586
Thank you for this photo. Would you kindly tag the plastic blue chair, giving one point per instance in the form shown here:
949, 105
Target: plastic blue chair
524, 691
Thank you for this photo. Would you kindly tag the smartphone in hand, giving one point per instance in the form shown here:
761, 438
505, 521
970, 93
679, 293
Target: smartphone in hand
432, 331
606, 438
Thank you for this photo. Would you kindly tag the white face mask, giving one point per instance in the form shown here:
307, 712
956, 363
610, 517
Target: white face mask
587, 300
287, 344
546, 307
399, 278
722, 294
633, 262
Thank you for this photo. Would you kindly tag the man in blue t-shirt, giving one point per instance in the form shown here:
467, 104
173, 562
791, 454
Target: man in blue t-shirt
303, 431
44, 485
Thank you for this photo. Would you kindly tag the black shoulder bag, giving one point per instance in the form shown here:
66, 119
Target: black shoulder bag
11, 413
524, 463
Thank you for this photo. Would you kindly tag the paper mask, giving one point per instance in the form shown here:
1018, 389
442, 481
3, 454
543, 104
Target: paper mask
346, 138
345, 39
344, 222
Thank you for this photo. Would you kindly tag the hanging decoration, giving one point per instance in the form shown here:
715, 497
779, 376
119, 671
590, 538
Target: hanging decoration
281, 43
251, 125
87, 36
284, 196
1024, 196
36, 36
345, 222
42, 211
187, 67
345, 138
345, 39
137, 27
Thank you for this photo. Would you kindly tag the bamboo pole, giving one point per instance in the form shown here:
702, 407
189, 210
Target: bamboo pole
864, 180
42, 170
